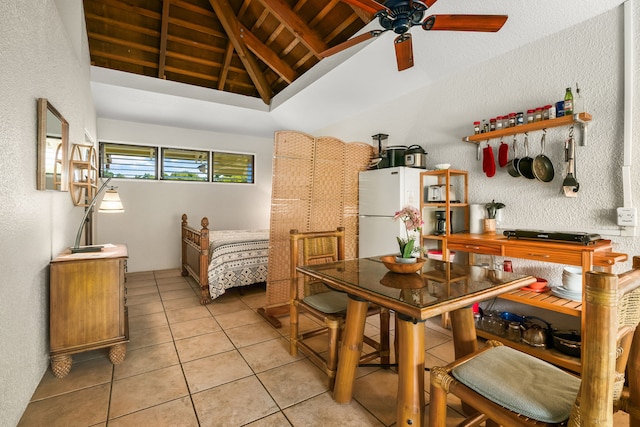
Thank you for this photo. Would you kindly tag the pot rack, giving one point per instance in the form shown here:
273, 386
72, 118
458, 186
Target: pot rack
581, 118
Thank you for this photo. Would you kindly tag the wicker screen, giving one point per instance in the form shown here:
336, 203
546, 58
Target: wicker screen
315, 188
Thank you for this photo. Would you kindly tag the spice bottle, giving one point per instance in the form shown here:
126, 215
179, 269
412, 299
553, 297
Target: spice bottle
546, 112
568, 102
520, 119
499, 122
529, 116
512, 120
492, 124
537, 116
476, 128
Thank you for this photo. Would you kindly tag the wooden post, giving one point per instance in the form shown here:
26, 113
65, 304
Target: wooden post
410, 372
351, 349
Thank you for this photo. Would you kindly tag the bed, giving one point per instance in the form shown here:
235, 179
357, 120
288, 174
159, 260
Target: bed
223, 259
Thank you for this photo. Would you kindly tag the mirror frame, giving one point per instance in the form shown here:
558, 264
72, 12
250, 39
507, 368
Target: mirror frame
45, 106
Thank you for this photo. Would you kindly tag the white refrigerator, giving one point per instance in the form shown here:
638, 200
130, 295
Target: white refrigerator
383, 192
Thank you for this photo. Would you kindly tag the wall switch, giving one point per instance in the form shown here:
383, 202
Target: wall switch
627, 217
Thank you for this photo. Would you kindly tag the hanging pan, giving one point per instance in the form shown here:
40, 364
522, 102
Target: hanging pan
542, 166
512, 165
525, 164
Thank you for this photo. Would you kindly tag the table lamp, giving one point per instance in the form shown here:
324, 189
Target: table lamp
110, 204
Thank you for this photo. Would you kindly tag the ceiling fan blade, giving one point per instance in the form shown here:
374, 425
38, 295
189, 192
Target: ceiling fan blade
484, 23
369, 6
351, 42
404, 51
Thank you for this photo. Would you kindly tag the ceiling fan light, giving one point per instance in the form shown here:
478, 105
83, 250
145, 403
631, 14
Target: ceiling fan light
428, 23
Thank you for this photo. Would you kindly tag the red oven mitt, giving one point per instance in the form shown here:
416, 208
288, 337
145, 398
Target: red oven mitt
488, 162
503, 154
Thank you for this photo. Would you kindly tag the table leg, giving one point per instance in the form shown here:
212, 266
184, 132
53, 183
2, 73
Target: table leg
350, 350
410, 410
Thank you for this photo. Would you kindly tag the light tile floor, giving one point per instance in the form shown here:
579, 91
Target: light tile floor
215, 365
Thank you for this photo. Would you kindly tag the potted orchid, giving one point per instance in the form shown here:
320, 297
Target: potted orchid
412, 220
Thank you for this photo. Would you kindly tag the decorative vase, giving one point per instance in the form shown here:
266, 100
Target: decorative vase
401, 260
490, 226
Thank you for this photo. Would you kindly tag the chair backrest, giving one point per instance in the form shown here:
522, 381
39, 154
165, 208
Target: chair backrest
612, 313
318, 247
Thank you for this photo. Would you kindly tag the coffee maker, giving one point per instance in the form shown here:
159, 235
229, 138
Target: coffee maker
441, 223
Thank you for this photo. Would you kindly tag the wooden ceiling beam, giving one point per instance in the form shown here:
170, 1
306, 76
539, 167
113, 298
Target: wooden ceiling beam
231, 25
268, 56
224, 69
297, 26
164, 29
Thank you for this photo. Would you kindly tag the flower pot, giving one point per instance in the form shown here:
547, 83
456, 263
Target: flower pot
490, 226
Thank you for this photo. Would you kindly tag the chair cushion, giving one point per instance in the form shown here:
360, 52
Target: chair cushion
328, 302
521, 383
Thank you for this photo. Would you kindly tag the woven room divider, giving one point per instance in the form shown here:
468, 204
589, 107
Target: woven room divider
314, 188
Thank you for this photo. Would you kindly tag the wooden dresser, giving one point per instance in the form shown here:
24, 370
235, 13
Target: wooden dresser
87, 305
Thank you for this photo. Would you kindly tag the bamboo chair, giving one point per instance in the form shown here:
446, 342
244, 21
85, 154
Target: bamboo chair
508, 387
314, 298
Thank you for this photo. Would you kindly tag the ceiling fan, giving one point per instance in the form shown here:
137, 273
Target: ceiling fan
401, 15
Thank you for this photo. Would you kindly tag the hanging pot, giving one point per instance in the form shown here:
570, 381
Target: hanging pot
512, 165
525, 164
542, 166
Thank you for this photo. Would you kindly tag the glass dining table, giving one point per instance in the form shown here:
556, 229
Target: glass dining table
439, 287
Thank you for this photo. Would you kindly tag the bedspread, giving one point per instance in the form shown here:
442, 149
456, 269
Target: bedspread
237, 258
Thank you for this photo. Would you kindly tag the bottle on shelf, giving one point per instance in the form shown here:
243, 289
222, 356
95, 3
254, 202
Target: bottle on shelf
568, 102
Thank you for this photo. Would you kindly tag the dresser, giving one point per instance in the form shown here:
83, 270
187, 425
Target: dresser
88, 305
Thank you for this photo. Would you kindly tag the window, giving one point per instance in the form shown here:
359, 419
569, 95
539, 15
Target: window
128, 161
174, 164
232, 167
185, 165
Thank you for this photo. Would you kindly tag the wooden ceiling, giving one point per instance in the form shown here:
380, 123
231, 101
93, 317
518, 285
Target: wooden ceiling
248, 47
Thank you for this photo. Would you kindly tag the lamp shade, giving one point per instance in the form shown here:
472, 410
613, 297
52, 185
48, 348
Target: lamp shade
111, 202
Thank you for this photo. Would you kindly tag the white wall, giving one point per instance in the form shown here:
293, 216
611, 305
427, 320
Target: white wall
39, 58
150, 225
437, 117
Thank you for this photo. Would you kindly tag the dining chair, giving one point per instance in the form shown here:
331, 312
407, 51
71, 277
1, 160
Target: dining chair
508, 387
313, 298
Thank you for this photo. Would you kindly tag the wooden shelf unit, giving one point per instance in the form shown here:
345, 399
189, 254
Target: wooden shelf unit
580, 118
83, 168
460, 208
598, 254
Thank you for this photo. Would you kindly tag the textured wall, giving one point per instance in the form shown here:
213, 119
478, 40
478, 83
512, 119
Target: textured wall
37, 60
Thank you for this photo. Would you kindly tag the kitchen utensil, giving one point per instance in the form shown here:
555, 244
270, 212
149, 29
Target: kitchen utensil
488, 162
415, 157
567, 342
525, 164
393, 156
542, 166
537, 334
512, 165
570, 185
503, 154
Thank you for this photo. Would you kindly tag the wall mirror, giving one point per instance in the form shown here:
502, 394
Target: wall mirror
53, 140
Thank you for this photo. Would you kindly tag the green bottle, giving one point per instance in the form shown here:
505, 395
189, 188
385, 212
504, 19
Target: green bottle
568, 102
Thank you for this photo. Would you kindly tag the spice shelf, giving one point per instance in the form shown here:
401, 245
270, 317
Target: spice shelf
581, 118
